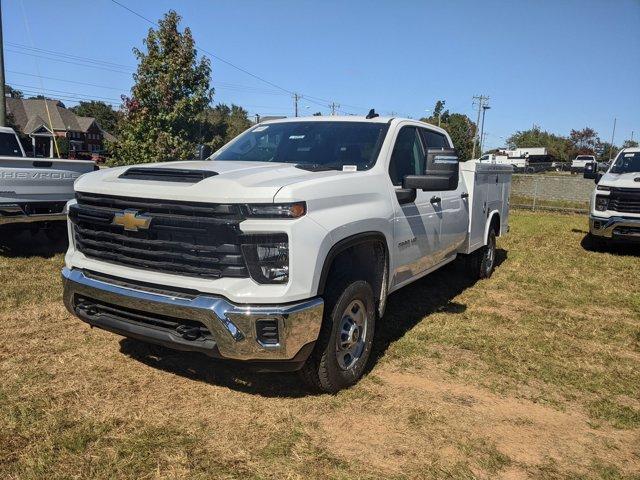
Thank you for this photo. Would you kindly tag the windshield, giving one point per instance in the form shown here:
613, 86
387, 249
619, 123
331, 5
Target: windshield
585, 157
9, 145
626, 163
309, 143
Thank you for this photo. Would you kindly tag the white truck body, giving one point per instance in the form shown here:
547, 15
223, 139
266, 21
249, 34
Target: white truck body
615, 202
410, 231
34, 190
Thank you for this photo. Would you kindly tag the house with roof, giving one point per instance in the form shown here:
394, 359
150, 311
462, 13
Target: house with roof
42, 120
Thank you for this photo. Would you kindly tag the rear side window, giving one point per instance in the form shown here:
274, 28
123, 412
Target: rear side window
434, 139
9, 146
407, 157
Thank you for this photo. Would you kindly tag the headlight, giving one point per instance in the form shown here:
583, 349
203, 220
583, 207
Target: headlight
267, 257
277, 210
602, 203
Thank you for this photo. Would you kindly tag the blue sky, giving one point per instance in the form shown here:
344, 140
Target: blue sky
560, 64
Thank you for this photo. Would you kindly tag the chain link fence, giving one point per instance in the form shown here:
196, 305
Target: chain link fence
562, 192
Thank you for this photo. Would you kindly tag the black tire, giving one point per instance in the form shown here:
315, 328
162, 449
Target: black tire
327, 368
482, 263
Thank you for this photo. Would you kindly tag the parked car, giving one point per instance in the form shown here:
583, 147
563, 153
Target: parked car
578, 164
615, 202
34, 191
281, 249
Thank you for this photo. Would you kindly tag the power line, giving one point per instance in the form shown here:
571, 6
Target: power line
70, 56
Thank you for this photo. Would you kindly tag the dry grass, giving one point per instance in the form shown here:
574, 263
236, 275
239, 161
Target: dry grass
534, 373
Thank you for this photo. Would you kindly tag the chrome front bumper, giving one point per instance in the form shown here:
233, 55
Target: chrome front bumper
615, 228
13, 213
232, 328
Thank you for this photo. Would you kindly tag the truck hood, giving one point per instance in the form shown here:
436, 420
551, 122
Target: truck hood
621, 180
235, 182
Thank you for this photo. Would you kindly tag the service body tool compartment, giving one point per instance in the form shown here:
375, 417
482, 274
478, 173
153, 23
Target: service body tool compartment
489, 186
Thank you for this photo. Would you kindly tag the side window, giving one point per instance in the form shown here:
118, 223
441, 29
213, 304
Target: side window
407, 157
434, 139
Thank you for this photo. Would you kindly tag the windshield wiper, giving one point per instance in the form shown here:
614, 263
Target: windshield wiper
319, 167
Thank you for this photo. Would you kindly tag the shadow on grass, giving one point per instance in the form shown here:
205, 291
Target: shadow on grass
624, 249
405, 309
16, 243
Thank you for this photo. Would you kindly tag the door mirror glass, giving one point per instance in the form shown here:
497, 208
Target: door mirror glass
430, 182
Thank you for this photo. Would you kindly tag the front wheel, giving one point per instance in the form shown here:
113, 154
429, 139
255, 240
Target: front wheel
344, 345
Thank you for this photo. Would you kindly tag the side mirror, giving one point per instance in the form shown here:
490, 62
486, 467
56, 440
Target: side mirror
599, 176
591, 170
433, 182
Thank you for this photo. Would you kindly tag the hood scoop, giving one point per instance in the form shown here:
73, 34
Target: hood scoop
178, 175
637, 179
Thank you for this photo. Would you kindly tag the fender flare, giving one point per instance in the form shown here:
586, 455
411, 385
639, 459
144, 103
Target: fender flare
492, 214
347, 243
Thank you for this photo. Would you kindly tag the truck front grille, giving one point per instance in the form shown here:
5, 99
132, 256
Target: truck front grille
625, 200
192, 239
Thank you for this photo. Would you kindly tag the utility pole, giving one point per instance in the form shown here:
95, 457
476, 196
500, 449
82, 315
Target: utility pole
334, 106
257, 118
613, 134
296, 99
481, 99
3, 103
484, 110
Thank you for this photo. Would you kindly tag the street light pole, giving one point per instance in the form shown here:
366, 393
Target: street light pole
484, 109
3, 103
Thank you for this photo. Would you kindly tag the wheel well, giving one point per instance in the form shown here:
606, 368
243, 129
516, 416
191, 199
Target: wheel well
363, 258
495, 224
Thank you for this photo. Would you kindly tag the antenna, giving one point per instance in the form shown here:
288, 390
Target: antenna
372, 114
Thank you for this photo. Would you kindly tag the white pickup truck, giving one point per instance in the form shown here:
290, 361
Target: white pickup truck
282, 248
578, 163
615, 202
34, 191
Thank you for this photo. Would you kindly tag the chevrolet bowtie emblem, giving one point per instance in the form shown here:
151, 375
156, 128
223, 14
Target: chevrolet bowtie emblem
131, 221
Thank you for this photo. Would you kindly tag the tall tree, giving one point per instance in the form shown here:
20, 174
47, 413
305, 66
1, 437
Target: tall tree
558, 146
12, 92
104, 114
164, 114
584, 141
461, 128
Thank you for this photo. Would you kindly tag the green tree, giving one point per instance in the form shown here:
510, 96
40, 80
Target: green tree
460, 127
222, 123
584, 141
104, 114
163, 118
12, 92
558, 146
630, 144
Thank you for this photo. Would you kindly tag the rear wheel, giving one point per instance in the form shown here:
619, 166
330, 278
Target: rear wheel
344, 344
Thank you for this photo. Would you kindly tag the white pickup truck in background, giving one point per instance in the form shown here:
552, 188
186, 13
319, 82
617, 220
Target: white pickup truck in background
578, 163
615, 202
282, 248
34, 191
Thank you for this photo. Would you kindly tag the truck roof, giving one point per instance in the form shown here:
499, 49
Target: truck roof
353, 118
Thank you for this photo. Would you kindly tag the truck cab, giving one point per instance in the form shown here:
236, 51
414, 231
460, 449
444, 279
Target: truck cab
281, 249
615, 201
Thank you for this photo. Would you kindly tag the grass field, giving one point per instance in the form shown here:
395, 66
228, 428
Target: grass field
534, 373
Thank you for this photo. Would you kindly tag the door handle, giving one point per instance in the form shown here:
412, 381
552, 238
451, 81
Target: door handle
464, 195
435, 199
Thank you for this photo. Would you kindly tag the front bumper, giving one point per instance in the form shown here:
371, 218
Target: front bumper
194, 322
13, 213
615, 228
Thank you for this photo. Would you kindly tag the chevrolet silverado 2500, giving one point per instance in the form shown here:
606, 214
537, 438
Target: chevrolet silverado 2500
615, 202
282, 248
34, 191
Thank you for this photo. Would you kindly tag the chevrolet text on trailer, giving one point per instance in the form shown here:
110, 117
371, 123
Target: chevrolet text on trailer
282, 248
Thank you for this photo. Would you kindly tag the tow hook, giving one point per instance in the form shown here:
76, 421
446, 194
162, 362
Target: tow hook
188, 333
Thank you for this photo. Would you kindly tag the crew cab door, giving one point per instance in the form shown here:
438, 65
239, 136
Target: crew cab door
417, 220
454, 203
